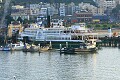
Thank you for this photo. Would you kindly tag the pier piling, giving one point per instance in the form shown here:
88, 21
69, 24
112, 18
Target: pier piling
109, 42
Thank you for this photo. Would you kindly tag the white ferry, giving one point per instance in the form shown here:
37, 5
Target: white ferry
58, 33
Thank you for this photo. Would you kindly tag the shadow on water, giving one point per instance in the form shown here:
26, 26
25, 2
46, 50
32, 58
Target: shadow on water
79, 53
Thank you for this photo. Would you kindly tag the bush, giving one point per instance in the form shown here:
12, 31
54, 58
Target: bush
114, 26
89, 26
97, 26
105, 26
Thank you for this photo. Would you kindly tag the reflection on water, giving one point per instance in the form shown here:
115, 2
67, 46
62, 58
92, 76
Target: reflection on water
103, 65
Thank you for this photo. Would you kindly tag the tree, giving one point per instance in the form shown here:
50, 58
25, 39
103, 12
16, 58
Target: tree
116, 9
20, 19
89, 26
116, 12
53, 1
9, 19
115, 26
25, 21
97, 26
105, 26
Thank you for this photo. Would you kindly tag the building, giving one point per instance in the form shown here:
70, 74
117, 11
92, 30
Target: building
13, 28
23, 16
100, 11
52, 11
88, 7
1, 1
84, 16
34, 9
100, 2
23, 13
43, 11
93, 9
17, 7
109, 4
62, 11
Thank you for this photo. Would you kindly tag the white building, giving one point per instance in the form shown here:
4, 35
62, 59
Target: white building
22, 15
51, 11
109, 4
62, 11
1, 1
70, 9
17, 7
43, 11
95, 10
100, 11
34, 9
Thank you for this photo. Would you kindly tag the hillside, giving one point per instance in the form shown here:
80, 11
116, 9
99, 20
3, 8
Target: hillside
51, 1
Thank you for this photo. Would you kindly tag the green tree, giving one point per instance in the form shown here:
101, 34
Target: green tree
115, 26
20, 19
89, 26
116, 9
105, 26
9, 19
97, 26
25, 21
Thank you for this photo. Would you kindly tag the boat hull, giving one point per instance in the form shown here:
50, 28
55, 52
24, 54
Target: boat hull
5, 49
77, 50
17, 48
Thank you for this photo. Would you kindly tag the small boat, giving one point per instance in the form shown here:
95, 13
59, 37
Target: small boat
30, 48
88, 46
5, 48
44, 48
17, 47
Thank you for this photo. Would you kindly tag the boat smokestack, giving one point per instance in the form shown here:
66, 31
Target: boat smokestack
48, 21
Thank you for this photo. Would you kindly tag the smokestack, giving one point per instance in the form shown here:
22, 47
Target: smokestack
48, 21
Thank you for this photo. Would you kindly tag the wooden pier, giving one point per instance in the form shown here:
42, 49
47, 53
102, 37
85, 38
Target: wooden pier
109, 42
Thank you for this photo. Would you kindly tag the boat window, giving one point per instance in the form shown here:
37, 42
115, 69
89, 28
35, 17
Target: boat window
13, 45
18, 45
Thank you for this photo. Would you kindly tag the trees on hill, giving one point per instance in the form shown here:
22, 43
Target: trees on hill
51, 1
116, 12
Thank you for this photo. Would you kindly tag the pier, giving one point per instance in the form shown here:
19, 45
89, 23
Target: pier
109, 42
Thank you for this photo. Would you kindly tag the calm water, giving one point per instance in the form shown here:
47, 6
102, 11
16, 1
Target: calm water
104, 65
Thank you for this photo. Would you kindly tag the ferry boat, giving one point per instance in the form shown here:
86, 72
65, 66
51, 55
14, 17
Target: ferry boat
58, 33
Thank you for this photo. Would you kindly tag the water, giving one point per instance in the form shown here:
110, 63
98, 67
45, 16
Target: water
104, 65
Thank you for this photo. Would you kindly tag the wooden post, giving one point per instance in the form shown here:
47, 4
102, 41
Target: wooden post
50, 47
39, 48
60, 48
66, 44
